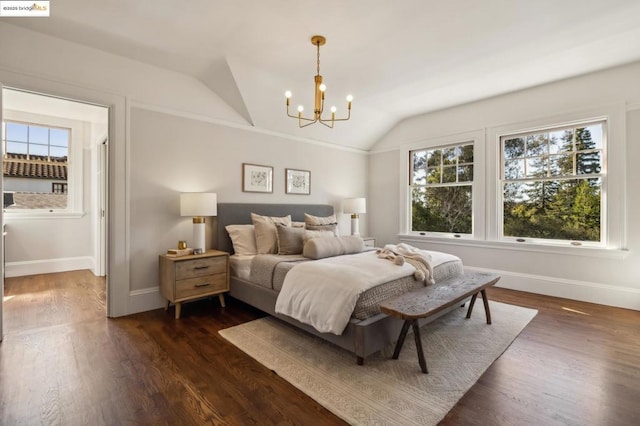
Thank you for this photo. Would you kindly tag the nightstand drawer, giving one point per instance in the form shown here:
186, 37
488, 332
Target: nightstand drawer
201, 285
200, 267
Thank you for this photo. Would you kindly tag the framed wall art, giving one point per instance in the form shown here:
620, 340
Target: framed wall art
257, 178
297, 181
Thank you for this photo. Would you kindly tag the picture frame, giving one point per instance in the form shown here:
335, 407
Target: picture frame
297, 181
257, 178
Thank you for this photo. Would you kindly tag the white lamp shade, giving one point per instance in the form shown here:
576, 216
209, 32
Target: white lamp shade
198, 204
354, 205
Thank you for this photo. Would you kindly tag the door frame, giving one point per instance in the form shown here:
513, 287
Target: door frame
117, 215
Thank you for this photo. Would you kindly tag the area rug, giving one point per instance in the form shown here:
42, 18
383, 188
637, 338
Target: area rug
386, 391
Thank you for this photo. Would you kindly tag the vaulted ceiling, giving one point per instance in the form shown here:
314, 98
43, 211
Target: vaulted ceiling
397, 58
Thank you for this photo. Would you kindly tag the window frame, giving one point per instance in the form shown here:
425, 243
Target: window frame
75, 160
442, 183
615, 215
477, 139
487, 169
577, 176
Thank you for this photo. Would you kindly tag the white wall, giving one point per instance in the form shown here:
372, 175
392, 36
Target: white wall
601, 276
169, 133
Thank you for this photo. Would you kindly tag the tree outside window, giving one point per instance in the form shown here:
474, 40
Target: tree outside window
552, 183
441, 189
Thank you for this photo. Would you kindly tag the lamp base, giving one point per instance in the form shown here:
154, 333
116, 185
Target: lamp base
198, 235
355, 224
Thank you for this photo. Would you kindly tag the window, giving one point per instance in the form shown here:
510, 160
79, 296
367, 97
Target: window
552, 183
36, 165
59, 188
441, 189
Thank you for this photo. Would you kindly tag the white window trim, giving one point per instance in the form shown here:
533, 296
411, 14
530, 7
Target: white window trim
603, 176
613, 188
487, 189
478, 195
75, 182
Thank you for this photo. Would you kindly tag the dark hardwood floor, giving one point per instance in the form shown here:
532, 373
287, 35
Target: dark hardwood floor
63, 362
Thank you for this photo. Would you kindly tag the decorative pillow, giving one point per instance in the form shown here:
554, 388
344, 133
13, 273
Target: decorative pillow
290, 239
309, 234
319, 248
317, 223
298, 224
265, 230
243, 238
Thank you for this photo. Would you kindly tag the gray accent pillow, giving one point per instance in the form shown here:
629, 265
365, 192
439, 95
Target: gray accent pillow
317, 223
290, 239
319, 248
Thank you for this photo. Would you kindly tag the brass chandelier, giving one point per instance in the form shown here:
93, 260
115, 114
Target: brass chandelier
320, 88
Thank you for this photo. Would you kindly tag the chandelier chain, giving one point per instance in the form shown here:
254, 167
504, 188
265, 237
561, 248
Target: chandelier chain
318, 62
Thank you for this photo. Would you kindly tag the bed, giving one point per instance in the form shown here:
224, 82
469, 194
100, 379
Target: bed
363, 336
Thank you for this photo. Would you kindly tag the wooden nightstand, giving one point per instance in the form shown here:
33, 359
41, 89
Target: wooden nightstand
191, 277
369, 241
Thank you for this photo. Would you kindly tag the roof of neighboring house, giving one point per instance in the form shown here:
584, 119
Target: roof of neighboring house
37, 200
34, 166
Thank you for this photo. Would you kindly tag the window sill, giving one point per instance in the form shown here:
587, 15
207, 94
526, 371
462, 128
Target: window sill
10, 216
600, 252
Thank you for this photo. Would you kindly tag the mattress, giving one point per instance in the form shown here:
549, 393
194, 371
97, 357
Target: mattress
444, 265
240, 265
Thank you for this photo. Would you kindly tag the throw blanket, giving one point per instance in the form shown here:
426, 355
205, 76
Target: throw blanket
264, 265
323, 293
419, 259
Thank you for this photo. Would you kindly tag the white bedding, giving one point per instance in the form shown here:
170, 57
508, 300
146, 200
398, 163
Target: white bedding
324, 293
241, 265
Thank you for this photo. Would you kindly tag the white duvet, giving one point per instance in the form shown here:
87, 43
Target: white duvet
324, 293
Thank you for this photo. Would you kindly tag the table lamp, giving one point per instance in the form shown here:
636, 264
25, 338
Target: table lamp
354, 206
198, 205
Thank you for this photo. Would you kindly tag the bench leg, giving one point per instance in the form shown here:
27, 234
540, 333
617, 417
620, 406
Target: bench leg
473, 301
416, 334
400, 342
486, 305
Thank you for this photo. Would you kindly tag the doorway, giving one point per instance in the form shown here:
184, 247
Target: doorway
55, 184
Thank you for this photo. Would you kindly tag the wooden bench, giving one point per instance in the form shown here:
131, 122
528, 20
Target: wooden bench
432, 300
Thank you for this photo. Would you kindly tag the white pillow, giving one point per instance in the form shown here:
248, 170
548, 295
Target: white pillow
243, 238
265, 231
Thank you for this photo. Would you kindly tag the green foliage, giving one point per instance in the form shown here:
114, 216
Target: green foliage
442, 209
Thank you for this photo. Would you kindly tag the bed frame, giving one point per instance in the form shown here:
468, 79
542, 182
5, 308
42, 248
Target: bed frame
362, 337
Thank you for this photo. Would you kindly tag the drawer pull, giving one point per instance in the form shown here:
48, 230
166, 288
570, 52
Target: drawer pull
201, 267
202, 285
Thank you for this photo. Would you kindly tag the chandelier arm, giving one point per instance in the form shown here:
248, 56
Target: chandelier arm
328, 125
299, 117
338, 119
308, 124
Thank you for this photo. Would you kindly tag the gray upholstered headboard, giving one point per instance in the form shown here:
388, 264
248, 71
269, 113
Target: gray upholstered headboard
240, 213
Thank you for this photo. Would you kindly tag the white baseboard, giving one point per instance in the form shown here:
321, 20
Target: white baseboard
602, 294
146, 299
47, 266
